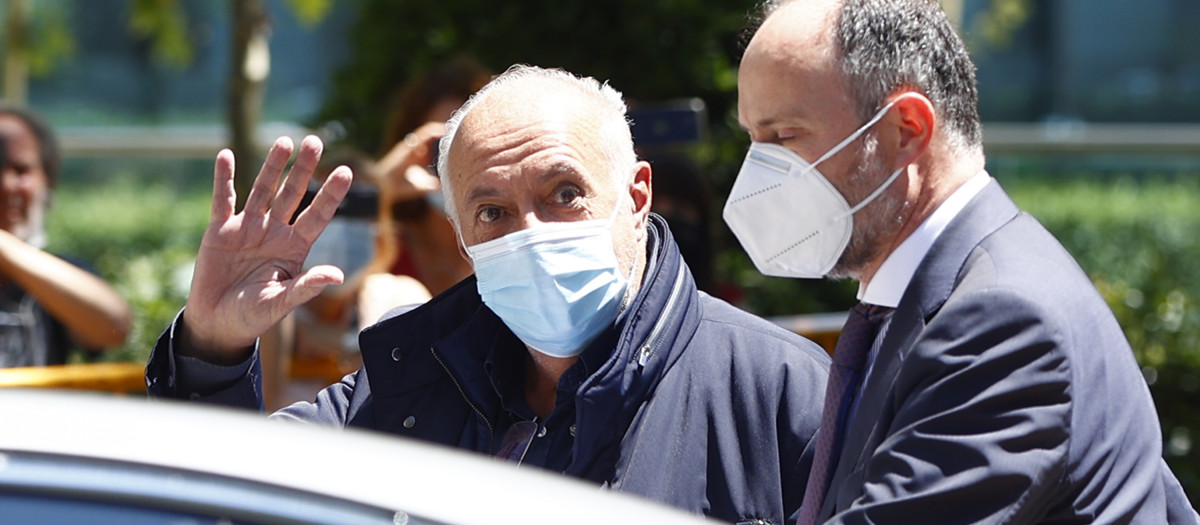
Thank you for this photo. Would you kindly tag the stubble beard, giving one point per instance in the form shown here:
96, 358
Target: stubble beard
878, 221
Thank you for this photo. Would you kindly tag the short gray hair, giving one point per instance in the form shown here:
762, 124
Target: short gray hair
887, 45
616, 141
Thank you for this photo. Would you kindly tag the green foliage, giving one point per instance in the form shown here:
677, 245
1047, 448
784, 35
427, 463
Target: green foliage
310, 12
165, 24
994, 27
649, 50
50, 39
142, 237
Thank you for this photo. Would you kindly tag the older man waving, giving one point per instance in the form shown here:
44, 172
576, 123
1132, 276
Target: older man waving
581, 345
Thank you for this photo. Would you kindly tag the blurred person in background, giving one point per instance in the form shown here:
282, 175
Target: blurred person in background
398, 249
48, 305
417, 254
315, 344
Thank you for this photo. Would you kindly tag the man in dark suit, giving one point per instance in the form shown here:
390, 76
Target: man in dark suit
992, 383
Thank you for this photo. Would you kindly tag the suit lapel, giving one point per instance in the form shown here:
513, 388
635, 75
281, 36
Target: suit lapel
929, 289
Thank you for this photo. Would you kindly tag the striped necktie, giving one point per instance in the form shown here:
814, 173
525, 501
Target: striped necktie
849, 355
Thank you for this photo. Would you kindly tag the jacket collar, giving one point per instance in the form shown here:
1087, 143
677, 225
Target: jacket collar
934, 280
460, 330
659, 323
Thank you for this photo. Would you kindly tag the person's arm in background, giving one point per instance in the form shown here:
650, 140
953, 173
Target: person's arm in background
91, 309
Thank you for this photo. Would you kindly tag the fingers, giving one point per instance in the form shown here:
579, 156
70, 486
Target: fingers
427, 135
268, 177
421, 180
224, 196
413, 150
431, 130
310, 283
316, 216
294, 186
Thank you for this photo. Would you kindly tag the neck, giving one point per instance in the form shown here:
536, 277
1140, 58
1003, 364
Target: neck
542, 373
933, 185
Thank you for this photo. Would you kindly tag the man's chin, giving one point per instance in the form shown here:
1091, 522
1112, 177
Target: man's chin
850, 265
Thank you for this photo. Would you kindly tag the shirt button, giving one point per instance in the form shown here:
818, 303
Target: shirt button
572, 430
542, 432
396, 354
410, 422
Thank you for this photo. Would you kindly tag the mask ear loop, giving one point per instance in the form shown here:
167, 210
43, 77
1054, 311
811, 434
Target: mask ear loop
886, 183
876, 193
857, 133
461, 242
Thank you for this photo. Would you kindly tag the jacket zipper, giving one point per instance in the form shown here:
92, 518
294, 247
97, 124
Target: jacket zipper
654, 339
463, 393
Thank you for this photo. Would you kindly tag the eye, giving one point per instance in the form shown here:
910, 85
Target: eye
489, 214
786, 134
567, 194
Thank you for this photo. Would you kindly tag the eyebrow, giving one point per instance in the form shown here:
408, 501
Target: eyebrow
557, 169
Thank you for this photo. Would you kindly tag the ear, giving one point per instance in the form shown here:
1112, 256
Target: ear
640, 193
915, 121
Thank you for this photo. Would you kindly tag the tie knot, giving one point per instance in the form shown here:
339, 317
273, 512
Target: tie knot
859, 333
873, 313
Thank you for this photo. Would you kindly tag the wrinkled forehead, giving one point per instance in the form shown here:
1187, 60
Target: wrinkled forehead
518, 121
532, 102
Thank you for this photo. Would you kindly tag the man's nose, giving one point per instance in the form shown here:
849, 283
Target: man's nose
529, 219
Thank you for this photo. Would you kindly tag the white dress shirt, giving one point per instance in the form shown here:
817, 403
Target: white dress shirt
893, 276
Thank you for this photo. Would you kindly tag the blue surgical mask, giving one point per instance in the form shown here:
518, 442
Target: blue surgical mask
556, 286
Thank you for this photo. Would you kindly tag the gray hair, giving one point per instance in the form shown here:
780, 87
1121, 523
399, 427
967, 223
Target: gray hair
616, 141
888, 45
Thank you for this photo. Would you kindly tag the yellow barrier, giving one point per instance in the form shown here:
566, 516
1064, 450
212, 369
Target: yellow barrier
127, 378
821, 328
120, 378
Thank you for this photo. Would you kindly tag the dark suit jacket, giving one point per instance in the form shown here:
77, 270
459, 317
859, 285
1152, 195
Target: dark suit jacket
1004, 391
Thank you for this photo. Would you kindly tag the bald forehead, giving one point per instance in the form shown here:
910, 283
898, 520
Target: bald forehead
797, 30
541, 100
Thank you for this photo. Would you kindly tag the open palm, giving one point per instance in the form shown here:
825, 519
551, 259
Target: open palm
248, 270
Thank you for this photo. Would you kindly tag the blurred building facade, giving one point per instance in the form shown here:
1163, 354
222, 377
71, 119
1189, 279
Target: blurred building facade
1092, 60
1073, 60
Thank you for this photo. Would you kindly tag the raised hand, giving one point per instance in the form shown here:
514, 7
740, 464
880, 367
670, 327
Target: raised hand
248, 270
403, 168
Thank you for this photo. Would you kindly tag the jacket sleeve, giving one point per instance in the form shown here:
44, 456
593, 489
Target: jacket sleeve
180, 377
982, 414
340, 404
240, 385
799, 418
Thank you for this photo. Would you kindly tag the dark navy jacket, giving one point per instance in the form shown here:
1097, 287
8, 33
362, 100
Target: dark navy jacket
700, 405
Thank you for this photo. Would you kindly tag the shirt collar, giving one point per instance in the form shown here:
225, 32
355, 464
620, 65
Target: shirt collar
893, 276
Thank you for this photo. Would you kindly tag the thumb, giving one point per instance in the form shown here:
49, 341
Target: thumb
310, 283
